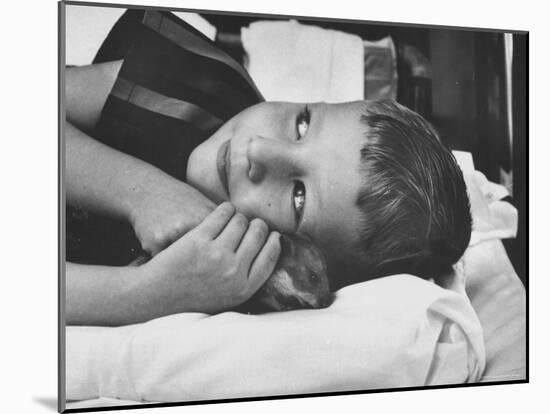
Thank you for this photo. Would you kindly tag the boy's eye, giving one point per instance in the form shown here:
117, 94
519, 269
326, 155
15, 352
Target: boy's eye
298, 200
302, 123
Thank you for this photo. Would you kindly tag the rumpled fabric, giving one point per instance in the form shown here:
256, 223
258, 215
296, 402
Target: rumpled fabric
493, 218
290, 61
399, 331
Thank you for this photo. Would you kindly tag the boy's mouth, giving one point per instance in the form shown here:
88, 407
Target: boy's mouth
223, 164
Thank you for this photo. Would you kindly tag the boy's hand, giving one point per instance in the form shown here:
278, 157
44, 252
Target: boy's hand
167, 212
216, 266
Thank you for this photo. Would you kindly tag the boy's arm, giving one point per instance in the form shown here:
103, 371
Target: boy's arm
104, 180
91, 167
101, 179
100, 295
218, 265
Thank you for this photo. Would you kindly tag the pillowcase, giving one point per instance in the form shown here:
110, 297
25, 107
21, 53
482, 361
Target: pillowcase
399, 331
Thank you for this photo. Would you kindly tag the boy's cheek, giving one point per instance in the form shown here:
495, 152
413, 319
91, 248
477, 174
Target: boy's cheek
257, 204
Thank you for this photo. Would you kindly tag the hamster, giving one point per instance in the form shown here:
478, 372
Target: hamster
299, 281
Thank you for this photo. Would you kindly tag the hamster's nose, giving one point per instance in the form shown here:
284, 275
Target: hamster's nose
326, 300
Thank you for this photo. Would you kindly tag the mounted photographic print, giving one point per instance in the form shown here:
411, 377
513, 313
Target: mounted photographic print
259, 206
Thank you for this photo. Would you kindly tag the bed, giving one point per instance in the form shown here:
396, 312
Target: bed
396, 332
162, 362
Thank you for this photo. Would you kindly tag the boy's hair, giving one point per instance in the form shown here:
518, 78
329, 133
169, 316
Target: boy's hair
415, 211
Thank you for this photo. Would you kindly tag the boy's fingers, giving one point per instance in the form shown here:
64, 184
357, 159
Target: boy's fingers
216, 221
265, 262
233, 232
252, 242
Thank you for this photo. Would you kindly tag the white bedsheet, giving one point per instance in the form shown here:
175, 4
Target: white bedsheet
418, 334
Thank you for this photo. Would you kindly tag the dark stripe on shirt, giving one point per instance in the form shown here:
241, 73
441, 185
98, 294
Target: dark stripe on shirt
172, 71
160, 140
155, 102
182, 34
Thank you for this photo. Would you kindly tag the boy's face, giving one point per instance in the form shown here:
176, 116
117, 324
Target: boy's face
297, 168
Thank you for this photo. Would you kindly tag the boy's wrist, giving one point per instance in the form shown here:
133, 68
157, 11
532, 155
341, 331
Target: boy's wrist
137, 296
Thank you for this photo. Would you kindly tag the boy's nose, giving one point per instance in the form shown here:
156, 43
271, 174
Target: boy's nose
272, 156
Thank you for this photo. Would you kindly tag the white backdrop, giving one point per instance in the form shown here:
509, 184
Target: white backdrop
87, 27
29, 207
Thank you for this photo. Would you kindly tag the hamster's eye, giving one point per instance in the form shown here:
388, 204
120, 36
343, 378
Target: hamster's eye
313, 277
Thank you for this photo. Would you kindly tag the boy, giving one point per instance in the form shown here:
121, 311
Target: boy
368, 182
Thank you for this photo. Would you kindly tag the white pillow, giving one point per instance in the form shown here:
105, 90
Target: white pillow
398, 331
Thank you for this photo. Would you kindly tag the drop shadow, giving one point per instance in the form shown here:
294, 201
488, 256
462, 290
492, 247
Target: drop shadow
48, 402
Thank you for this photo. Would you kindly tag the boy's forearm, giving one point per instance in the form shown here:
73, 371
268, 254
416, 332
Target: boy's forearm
104, 180
103, 295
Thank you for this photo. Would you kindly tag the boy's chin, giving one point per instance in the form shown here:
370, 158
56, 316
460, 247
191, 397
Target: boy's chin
206, 186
